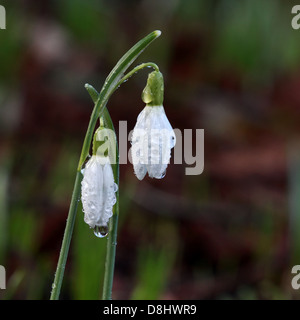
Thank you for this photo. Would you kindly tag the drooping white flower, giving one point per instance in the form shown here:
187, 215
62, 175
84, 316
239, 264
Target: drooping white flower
152, 141
98, 191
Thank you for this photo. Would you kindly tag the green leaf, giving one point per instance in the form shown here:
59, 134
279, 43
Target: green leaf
94, 94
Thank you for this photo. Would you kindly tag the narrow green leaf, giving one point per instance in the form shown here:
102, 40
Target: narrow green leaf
94, 94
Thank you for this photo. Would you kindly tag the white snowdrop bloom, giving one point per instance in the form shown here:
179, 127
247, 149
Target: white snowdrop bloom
98, 191
152, 141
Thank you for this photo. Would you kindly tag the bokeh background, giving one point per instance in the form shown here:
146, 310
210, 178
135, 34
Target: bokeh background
231, 68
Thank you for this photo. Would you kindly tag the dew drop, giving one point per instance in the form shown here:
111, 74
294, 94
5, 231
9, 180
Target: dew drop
101, 231
147, 95
84, 164
115, 187
163, 174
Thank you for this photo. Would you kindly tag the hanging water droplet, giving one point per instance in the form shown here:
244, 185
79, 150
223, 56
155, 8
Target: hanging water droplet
84, 164
163, 174
147, 95
115, 187
101, 231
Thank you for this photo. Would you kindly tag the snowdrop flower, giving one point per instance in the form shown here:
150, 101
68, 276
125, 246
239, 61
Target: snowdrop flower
153, 136
98, 191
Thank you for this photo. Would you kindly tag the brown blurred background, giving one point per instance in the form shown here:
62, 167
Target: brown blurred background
231, 68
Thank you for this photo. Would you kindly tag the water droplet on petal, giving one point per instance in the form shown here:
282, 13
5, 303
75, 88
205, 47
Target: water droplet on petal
84, 164
115, 187
147, 95
101, 231
163, 174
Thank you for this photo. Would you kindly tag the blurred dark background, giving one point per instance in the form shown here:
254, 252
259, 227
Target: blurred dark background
231, 68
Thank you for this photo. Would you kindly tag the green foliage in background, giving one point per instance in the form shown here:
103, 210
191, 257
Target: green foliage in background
252, 38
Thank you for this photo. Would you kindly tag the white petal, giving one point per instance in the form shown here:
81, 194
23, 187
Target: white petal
98, 191
166, 125
140, 170
152, 140
109, 197
92, 191
161, 143
138, 150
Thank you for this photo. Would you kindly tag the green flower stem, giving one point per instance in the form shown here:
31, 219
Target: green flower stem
113, 223
111, 84
59, 274
137, 68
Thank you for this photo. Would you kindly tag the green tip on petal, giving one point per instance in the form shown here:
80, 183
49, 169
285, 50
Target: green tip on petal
153, 94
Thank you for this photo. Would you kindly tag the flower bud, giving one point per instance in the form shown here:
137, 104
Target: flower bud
152, 141
98, 191
153, 136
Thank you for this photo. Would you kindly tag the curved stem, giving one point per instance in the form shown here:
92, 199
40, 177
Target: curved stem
110, 85
56, 286
113, 224
136, 69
